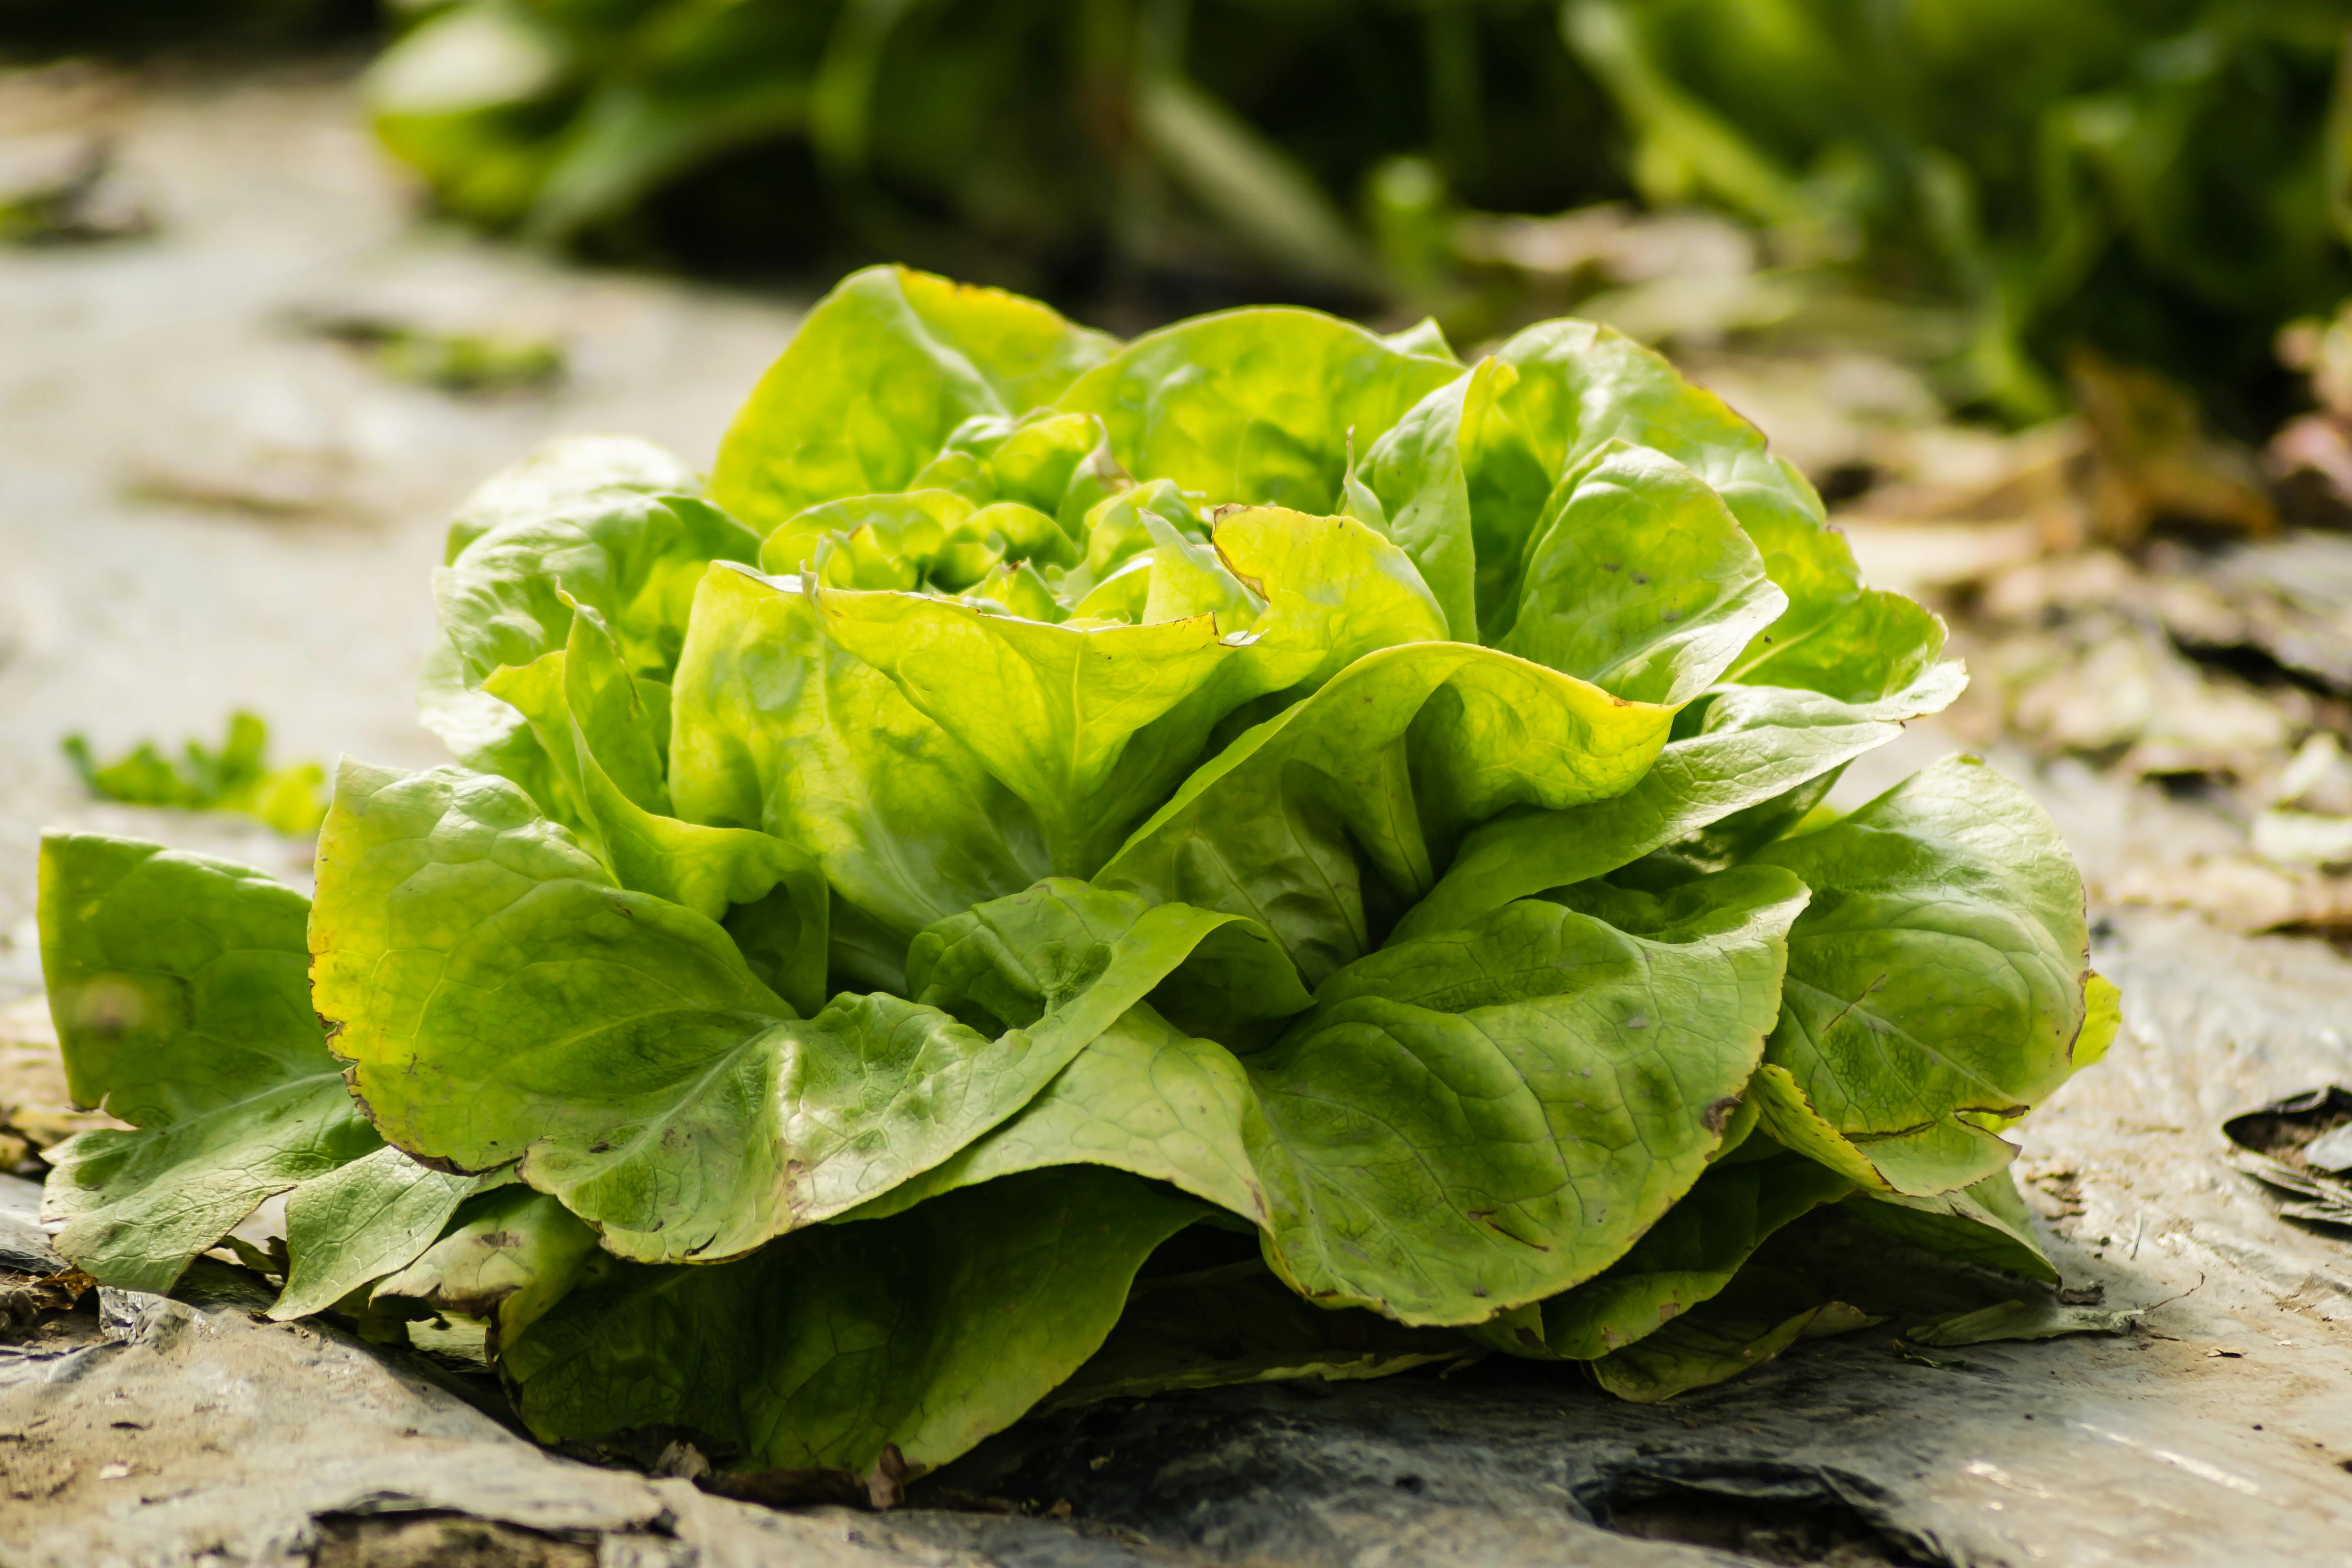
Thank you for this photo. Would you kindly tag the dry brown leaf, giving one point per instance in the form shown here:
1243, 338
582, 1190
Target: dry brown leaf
1924, 558
2155, 460
2243, 894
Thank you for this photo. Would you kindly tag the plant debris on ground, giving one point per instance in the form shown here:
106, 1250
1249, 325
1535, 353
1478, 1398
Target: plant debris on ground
236, 776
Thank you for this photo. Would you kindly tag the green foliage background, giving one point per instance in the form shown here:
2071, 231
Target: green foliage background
2167, 179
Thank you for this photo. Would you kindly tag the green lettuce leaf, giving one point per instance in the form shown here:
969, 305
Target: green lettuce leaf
928, 1331
1747, 747
1638, 580
606, 731
1580, 387
773, 727
1058, 465
500, 999
583, 529
1093, 724
1256, 406
1002, 493
1986, 1224
1465, 478
236, 776
512, 1255
1534, 1093
359, 1223
1050, 710
877, 378
1938, 972
609, 523
1143, 1097
1760, 1314
930, 754
1688, 1257
1238, 1323
1413, 485
1339, 808
178, 985
914, 535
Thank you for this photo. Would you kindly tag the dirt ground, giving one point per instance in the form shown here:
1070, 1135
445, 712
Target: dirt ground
207, 504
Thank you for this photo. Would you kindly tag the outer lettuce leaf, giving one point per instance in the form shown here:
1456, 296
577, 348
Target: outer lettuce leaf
182, 1005
1939, 970
928, 1331
1533, 1095
1759, 1315
485, 732
1461, 1124
1425, 337
1143, 1097
1874, 644
499, 999
367, 1219
1688, 1257
571, 475
1729, 841
1938, 1157
878, 376
513, 1254
1582, 387
1238, 1323
1748, 746
1986, 1224
621, 721
1258, 406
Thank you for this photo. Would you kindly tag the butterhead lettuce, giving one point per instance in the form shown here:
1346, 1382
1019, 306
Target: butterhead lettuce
1075, 868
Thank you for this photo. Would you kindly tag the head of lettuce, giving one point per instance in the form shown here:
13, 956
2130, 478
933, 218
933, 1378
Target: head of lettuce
1070, 867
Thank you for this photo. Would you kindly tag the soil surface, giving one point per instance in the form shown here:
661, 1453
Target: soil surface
206, 504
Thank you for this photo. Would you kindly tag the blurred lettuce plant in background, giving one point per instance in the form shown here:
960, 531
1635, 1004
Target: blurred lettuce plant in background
2165, 181
1043, 142
236, 776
